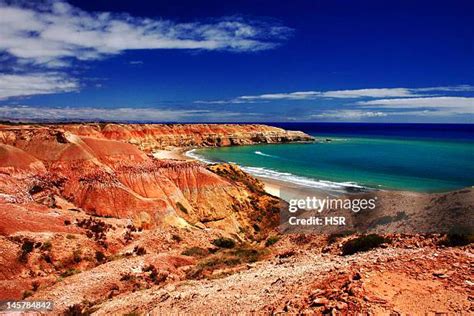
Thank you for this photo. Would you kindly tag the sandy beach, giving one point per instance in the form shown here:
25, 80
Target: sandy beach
175, 153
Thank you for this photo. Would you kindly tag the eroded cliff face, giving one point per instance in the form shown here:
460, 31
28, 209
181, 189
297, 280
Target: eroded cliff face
104, 171
158, 136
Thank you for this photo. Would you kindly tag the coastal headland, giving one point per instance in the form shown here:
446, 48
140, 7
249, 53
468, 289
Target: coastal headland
105, 218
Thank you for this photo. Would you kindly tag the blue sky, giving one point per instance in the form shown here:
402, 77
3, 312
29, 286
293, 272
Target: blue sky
229, 61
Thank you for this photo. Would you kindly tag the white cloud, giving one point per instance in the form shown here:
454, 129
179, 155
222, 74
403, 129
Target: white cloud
349, 114
50, 33
33, 84
445, 105
460, 88
371, 93
343, 94
33, 113
303, 95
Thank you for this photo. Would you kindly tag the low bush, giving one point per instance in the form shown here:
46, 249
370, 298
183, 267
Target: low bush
195, 252
176, 238
139, 251
363, 243
271, 241
100, 257
26, 248
223, 259
224, 242
457, 239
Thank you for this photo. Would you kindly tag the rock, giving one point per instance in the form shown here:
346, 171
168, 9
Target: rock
320, 301
440, 274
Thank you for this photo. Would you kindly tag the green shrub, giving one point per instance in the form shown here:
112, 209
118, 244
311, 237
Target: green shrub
176, 238
457, 239
224, 242
363, 243
26, 248
100, 257
139, 251
195, 252
271, 241
247, 254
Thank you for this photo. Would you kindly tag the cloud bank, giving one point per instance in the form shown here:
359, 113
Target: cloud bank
52, 33
445, 105
34, 84
37, 37
344, 94
125, 114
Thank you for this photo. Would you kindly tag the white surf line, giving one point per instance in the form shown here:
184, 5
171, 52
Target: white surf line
339, 187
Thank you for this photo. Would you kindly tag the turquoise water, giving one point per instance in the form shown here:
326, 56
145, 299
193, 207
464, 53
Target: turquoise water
347, 163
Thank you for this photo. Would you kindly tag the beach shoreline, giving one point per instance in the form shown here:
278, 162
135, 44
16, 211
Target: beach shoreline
279, 188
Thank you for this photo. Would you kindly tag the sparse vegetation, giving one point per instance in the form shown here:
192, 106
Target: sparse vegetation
156, 276
176, 238
26, 247
69, 272
224, 242
225, 258
139, 251
195, 252
271, 241
26, 294
363, 243
460, 236
100, 256
35, 286
96, 229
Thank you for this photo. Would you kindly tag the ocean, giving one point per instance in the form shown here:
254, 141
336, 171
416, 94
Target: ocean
357, 156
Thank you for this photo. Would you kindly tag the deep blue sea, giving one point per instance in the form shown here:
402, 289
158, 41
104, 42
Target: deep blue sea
414, 157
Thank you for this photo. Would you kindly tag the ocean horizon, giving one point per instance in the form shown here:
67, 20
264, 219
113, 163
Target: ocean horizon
356, 156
